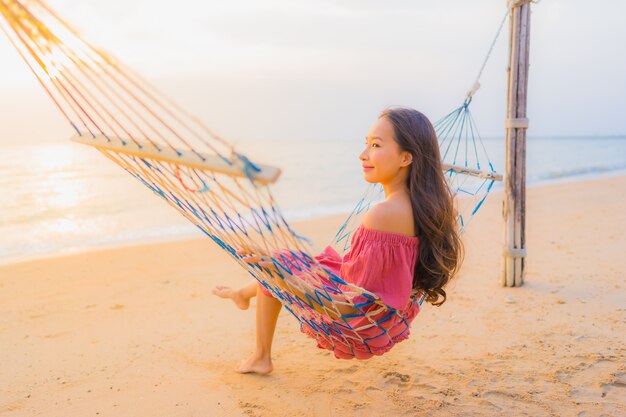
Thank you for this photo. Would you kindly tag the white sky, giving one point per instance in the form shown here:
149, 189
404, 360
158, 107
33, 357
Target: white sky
258, 69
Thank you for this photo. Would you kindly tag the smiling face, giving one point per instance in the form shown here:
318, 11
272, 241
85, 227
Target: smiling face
383, 159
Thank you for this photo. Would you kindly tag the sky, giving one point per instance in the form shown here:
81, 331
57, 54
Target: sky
303, 70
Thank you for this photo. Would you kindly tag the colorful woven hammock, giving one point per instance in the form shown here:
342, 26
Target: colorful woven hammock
219, 189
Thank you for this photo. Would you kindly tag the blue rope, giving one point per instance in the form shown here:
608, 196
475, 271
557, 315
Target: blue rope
248, 166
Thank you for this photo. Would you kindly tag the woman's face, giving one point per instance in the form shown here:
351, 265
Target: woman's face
382, 158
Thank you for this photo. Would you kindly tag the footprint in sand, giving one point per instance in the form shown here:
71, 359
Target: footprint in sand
349, 370
424, 386
502, 399
616, 389
343, 390
604, 377
449, 392
396, 378
251, 409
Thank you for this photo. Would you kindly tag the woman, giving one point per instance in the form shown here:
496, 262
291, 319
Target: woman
406, 244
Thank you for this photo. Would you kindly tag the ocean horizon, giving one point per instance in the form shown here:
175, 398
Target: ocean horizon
66, 198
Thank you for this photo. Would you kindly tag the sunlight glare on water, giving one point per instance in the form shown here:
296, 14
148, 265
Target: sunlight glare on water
63, 197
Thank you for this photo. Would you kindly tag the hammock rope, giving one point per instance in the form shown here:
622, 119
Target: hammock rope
221, 190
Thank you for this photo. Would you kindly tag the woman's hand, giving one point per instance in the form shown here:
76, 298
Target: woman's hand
261, 259
280, 279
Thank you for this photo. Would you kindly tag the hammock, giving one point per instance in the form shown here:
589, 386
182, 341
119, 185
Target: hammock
219, 189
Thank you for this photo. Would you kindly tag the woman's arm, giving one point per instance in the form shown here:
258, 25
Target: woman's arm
335, 308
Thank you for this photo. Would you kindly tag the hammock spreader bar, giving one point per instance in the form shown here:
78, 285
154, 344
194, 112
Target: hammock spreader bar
214, 163
473, 172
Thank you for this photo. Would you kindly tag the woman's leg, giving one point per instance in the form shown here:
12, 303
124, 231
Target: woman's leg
267, 311
240, 297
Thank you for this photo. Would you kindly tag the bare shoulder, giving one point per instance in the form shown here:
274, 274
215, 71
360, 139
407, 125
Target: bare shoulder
390, 216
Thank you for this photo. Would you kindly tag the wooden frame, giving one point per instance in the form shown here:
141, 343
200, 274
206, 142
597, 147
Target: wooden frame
514, 205
267, 174
473, 172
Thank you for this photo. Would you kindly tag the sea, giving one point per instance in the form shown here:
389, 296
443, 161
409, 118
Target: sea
65, 198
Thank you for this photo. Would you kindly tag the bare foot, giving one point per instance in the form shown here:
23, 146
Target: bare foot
254, 364
227, 292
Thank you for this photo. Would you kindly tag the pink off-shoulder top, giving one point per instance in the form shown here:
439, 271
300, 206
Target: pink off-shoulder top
382, 263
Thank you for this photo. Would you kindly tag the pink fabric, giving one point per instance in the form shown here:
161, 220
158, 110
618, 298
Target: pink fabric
382, 263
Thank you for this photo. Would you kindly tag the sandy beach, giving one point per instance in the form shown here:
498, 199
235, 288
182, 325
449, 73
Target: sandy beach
135, 331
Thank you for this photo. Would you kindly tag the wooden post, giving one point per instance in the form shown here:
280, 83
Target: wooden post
514, 205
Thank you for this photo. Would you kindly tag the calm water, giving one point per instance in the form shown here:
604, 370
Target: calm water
60, 198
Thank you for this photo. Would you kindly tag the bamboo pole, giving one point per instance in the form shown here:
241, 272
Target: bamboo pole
514, 205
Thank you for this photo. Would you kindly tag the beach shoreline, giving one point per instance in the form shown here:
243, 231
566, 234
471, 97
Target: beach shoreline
141, 241
134, 330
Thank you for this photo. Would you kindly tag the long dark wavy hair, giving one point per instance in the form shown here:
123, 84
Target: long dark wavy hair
441, 251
